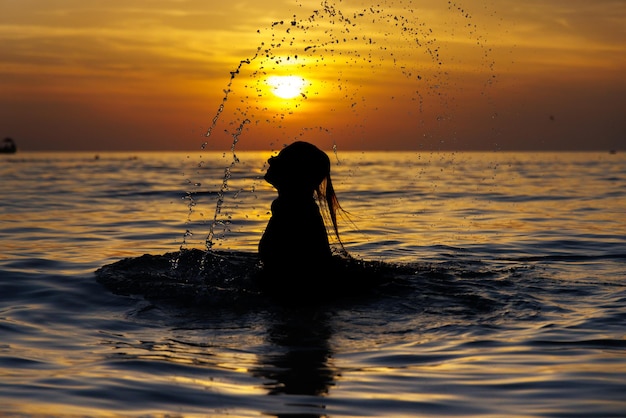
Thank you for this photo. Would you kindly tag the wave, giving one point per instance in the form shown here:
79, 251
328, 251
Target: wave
230, 280
225, 277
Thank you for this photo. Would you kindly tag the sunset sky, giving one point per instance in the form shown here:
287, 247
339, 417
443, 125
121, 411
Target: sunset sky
394, 74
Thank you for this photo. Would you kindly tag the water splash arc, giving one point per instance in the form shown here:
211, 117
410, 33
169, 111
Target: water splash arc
360, 38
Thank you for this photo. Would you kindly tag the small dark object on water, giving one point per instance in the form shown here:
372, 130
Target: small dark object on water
8, 146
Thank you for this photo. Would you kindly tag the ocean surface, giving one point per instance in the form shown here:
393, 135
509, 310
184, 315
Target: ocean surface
504, 294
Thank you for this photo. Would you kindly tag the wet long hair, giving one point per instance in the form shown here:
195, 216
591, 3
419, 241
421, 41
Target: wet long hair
325, 194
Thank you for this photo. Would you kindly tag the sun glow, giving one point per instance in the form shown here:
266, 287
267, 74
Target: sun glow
287, 86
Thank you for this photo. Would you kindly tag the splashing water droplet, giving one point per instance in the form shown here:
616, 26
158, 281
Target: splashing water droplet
353, 43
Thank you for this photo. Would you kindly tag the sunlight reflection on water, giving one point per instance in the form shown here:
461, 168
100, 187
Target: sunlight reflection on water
516, 303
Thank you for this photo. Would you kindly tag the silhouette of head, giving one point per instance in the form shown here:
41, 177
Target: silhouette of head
299, 168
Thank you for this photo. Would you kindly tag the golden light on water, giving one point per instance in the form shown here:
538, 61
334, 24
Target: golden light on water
287, 86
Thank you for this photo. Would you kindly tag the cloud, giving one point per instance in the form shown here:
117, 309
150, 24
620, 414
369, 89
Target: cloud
569, 23
95, 33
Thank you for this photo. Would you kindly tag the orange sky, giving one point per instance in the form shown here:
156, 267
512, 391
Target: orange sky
396, 74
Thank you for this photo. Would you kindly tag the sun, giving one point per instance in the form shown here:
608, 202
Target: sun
286, 86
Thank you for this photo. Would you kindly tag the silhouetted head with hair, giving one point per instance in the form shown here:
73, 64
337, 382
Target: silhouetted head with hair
299, 168
295, 238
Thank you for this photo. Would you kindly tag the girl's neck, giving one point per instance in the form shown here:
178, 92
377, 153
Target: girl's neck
295, 195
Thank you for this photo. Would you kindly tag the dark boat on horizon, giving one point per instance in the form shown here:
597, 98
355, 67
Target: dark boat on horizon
8, 146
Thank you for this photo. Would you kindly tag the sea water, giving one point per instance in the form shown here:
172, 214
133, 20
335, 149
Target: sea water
513, 304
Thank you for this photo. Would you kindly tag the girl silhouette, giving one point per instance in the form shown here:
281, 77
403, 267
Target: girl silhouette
294, 248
